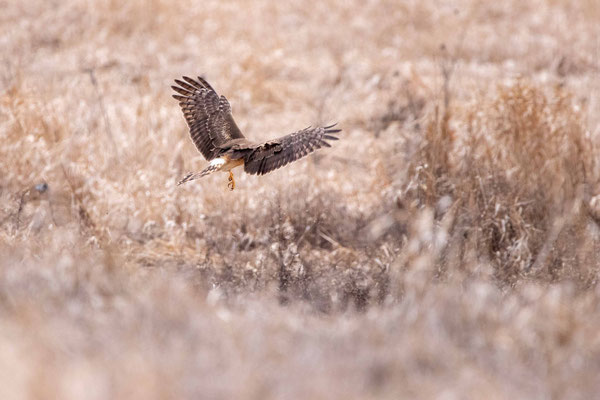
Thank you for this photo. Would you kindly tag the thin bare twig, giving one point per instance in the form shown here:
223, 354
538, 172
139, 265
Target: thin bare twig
109, 131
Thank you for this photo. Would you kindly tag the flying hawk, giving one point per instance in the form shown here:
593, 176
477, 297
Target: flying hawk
221, 142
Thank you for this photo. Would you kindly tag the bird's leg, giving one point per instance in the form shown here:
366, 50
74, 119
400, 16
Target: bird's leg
231, 184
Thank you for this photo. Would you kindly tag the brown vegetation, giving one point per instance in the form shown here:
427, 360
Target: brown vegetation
446, 247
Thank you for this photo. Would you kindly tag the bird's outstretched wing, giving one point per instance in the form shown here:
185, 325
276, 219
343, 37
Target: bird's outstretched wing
273, 154
208, 115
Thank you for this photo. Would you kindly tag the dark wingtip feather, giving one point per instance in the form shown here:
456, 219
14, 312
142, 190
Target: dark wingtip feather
186, 86
182, 91
329, 137
192, 82
328, 130
206, 84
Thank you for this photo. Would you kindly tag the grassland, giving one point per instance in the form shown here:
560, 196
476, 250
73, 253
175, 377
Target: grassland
447, 247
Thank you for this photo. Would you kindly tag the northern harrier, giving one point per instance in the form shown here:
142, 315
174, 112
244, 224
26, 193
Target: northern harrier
221, 142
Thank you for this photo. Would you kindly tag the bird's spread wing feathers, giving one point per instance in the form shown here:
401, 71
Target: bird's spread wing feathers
208, 115
213, 131
268, 156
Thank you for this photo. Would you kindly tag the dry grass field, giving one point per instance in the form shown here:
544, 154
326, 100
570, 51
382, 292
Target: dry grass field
447, 247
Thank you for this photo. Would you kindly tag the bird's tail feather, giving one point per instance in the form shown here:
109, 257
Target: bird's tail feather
195, 175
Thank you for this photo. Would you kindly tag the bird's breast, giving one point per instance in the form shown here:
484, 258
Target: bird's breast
230, 164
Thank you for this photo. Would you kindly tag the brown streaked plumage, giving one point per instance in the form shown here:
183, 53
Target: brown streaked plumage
218, 138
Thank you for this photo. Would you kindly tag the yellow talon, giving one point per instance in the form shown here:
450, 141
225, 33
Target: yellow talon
231, 184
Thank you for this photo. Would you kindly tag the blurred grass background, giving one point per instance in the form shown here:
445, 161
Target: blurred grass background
446, 247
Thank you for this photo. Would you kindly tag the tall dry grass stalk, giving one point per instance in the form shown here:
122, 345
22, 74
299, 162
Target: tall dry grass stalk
520, 167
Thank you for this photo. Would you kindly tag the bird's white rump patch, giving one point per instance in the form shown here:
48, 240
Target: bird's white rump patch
217, 163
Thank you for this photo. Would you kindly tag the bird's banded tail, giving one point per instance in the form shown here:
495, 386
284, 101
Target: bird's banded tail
195, 175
